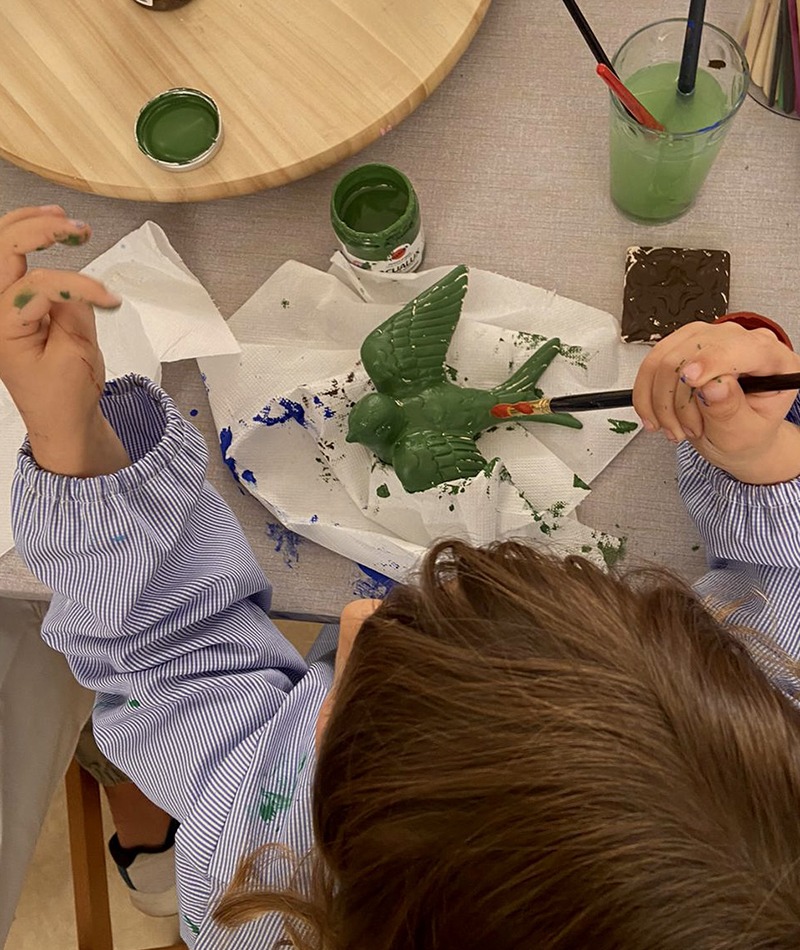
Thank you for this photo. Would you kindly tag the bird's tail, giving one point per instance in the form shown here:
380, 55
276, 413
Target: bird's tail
523, 383
521, 387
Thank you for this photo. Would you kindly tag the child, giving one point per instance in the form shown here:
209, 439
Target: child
515, 752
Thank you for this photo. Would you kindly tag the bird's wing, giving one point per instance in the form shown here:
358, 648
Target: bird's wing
424, 458
406, 353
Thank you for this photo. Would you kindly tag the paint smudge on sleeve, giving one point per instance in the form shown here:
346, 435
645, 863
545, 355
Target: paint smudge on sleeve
578, 482
287, 543
291, 411
248, 476
314, 519
382, 491
374, 585
193, 412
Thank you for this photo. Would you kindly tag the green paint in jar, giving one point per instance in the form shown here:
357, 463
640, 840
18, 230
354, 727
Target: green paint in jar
179, 129
375, 215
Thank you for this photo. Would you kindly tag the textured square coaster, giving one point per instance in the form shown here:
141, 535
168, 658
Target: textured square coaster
668, 287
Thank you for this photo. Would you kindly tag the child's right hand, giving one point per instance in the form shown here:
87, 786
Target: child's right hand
687, 387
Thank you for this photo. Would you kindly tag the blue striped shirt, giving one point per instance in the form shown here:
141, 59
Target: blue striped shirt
161, 608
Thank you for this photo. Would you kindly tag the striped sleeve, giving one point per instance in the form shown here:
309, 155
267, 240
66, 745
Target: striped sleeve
159, 605
753, 524
752, 536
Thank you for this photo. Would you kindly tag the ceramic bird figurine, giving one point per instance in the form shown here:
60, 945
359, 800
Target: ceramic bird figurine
418, 421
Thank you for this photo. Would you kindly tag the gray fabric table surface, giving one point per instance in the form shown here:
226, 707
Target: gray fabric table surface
509, 157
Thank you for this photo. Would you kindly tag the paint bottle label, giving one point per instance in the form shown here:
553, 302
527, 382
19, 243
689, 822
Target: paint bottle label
403, 259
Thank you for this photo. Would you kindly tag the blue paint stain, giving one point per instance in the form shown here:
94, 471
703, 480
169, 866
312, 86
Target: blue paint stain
193, 412
326, 410
291, 410
287, 543
225, 441
314, 519
374, 585
120, 537
248, 476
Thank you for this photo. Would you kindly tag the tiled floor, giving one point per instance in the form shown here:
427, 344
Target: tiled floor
45, 917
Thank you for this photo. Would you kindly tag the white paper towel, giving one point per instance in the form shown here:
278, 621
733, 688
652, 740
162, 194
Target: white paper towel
282, 407
166, 315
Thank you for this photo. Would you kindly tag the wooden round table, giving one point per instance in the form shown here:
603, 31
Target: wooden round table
300, 84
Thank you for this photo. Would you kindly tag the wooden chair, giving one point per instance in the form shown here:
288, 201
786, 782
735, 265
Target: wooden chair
88, 857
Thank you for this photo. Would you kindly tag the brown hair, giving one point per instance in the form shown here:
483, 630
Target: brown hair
532, 753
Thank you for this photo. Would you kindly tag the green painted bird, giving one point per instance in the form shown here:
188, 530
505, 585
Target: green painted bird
418, 421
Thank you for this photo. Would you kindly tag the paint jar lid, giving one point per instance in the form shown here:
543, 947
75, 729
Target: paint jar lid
179, 129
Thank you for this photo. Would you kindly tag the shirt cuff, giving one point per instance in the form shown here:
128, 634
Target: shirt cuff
153, 432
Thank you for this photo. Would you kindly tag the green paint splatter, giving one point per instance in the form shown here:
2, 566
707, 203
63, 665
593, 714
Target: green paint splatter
578, 482
451, 372
71, 240
65, 294
452, 507
612, 549
575, 355
272, 804
572, 354
285, 303
695, 547
22, 299
557, 508
586, 549
134, 703
382, 491
622, 427
191, 925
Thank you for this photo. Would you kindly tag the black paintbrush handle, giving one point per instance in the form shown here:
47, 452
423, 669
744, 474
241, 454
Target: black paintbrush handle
586, 32
617, 398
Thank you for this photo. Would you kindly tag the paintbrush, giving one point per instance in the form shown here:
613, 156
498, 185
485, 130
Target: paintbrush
617, 398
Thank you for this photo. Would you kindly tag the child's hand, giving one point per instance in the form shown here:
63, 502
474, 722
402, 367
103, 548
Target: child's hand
687, 387
49, 357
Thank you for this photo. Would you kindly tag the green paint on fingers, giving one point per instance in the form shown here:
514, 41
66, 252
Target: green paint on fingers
71, 240
65, 294
21, 300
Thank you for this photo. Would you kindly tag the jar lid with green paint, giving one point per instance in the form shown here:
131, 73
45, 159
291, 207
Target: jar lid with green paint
179, 129
375, 215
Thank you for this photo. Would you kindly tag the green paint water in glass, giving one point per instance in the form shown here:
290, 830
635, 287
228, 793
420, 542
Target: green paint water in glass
656, 177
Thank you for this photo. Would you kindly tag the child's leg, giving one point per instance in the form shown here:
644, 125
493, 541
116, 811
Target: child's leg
142, 847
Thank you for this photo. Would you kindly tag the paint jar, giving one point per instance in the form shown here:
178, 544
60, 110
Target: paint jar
179, 129
375, 215
162, 4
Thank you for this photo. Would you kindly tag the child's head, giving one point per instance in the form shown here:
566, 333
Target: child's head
530, 753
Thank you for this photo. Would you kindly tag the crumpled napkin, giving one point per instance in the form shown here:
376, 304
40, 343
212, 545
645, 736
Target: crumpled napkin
166, 315
281, 408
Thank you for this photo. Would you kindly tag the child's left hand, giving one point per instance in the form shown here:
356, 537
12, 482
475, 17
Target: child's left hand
49, 358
